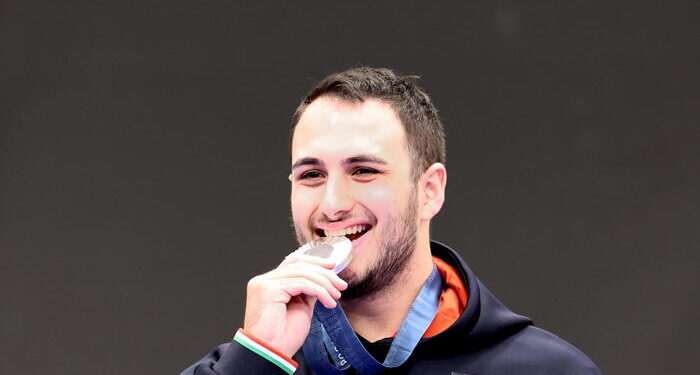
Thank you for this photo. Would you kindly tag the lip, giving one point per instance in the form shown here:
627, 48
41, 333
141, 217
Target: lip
340, 225
355, 243
358, 242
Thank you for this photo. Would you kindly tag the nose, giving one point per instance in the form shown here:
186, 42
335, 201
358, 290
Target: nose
337, 201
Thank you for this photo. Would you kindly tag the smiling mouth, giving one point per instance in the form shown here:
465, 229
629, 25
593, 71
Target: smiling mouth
352, 233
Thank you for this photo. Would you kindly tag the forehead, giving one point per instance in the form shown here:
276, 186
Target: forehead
332, 127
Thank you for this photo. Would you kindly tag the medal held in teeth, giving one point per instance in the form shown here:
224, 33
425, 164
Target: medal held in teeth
335, 249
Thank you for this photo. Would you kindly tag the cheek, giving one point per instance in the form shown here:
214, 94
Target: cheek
380, 200
303, 202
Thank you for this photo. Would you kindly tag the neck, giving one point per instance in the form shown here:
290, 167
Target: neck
380, 315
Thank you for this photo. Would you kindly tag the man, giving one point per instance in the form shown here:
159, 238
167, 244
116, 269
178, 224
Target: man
367, 163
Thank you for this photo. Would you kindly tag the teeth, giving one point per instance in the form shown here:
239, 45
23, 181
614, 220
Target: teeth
349, 230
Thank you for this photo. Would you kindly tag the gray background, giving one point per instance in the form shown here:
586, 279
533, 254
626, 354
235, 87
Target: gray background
143, 166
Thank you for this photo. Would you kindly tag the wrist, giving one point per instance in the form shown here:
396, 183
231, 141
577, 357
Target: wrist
265, 350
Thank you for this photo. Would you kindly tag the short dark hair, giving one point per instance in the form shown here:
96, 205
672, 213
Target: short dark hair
425, 133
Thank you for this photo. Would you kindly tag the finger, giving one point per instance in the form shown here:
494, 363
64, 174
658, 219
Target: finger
301, 265
299, 286
312, 269
315, 273
300, 257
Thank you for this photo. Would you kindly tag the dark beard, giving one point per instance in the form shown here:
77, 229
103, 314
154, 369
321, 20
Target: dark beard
396, 249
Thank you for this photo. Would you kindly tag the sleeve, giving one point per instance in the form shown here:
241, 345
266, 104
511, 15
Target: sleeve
244, 355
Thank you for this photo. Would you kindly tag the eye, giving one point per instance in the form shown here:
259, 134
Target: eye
310, 175
365, 171
365, 174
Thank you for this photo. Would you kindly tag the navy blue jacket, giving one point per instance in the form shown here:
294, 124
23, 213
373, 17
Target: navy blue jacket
487, 339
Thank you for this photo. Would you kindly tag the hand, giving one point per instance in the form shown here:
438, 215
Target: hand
280, 303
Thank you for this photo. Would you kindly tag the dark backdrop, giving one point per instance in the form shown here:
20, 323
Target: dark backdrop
144, 163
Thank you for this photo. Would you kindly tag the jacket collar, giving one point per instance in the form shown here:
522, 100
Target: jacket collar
485, 319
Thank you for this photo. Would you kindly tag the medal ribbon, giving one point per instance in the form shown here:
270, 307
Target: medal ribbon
331, 334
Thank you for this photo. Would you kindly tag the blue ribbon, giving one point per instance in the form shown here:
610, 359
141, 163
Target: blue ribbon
332, 335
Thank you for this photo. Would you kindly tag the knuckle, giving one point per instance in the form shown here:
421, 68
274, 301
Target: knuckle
255, 283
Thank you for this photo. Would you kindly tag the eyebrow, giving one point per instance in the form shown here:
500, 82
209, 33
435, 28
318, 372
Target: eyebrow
348, 161
364, 159
306, 161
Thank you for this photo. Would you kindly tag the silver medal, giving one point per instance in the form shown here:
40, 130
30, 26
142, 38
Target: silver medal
336, 249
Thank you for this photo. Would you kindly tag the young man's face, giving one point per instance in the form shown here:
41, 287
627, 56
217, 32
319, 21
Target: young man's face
351, 175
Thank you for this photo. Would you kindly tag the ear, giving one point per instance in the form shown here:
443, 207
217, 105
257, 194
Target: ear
432, 191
